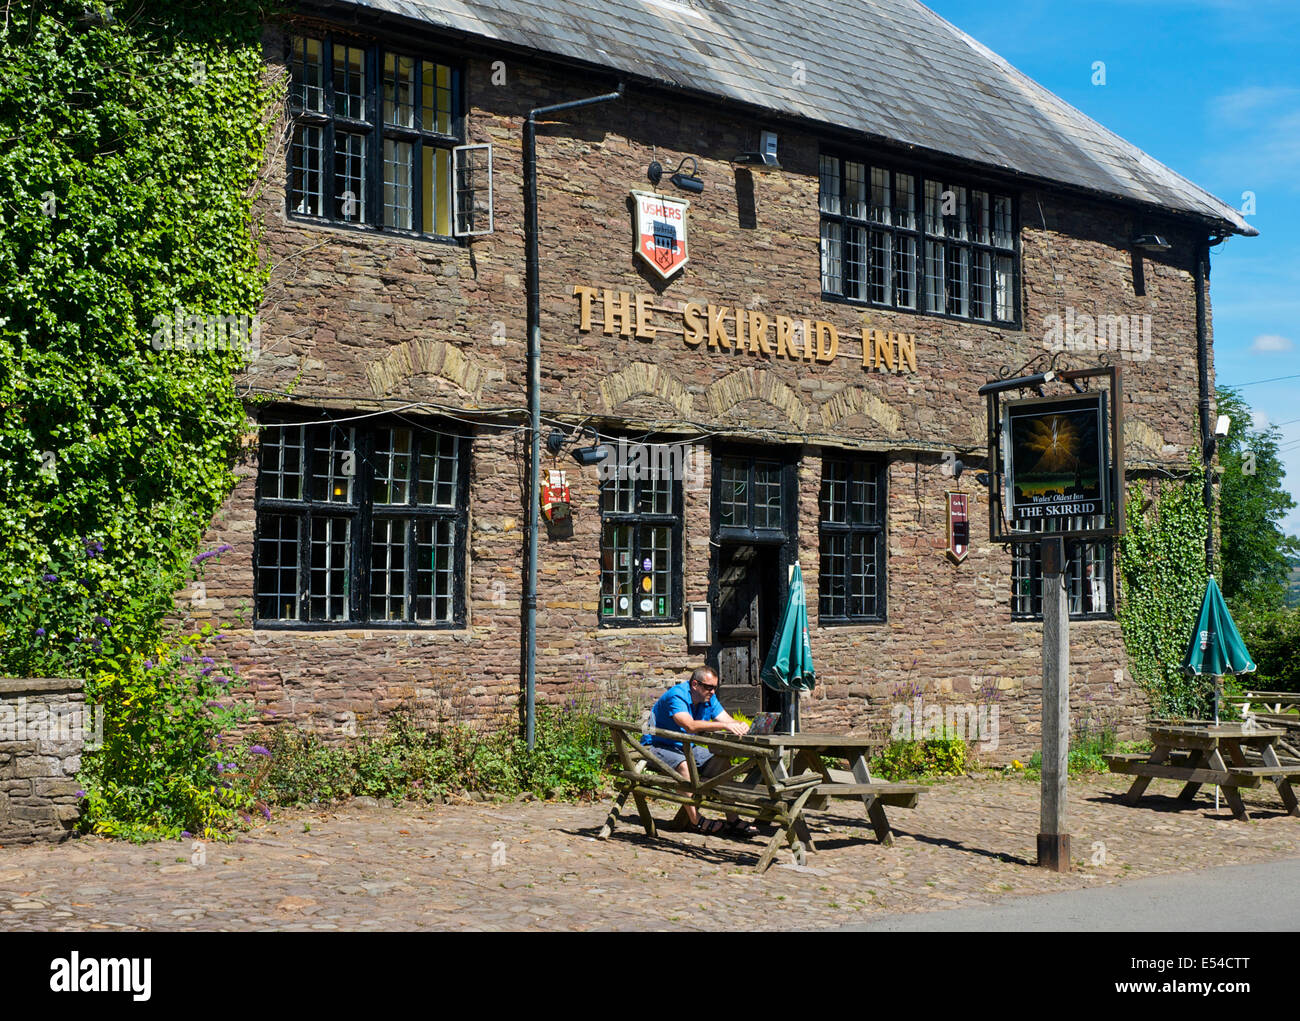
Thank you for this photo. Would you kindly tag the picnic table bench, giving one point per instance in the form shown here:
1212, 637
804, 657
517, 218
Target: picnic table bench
810, 752
1192, 752
1274, 709
751, 786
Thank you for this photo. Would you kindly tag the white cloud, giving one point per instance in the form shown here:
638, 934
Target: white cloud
1259, 420
1271, 343
1232, 108
1259, 133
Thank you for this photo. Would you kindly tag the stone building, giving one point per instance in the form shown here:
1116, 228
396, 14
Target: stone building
861, 216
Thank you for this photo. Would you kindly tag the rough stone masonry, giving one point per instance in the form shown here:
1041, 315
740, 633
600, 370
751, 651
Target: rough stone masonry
43, 729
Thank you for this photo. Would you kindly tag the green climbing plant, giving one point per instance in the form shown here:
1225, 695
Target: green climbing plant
132, 137
1162, 567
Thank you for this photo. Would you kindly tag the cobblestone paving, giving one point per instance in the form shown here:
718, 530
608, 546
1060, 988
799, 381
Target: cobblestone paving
536, 866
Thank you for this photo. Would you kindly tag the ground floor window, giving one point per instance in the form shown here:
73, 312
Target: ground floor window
641, 540
361, 524
852, 577
1088, 572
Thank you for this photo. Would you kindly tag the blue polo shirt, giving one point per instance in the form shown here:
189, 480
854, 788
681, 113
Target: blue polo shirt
677, 699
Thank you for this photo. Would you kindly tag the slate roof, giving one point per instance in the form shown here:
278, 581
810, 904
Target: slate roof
890, 69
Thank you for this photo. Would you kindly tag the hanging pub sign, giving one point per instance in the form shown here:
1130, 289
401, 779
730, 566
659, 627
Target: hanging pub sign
1056, 457
555, 497
661, 231
958, 527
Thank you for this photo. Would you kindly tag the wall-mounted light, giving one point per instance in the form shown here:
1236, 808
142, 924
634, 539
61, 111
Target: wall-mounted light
686, 182
1151, 243
587, 456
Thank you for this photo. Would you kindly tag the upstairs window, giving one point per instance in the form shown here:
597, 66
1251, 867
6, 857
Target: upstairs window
375, 137
904, 241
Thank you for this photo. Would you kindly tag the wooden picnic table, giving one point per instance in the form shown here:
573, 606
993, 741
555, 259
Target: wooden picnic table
767, 793
810, 752
1193, 752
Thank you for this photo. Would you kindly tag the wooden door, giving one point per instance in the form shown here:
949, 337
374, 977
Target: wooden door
749, 597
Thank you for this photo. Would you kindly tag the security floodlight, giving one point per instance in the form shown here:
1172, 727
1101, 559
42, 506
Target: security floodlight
1151, 243
1222, 426
766, 155
1019, 383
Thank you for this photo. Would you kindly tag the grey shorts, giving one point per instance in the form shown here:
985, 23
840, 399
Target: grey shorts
672, 757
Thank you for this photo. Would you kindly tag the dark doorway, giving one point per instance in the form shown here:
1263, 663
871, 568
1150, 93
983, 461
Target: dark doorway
749, 597
755, 498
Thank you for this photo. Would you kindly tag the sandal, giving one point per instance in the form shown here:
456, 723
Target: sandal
710, 827
739, 828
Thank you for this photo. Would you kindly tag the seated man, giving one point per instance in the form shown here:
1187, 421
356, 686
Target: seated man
692, 707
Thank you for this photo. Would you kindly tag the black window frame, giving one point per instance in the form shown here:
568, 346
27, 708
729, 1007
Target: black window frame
1027, 557
375, 130
361, 511
636, 519
789, 482
877, 529
920, 234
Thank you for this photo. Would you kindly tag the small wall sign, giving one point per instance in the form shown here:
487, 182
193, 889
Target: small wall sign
661, 232
958, 527
699, 625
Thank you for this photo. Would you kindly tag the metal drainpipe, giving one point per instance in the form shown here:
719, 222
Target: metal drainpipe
1201, 276
535, 395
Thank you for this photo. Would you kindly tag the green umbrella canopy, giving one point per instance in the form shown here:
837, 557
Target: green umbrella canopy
1216, 646
789, 665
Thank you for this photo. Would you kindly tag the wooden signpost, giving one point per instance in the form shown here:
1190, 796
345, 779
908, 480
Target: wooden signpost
1055, 457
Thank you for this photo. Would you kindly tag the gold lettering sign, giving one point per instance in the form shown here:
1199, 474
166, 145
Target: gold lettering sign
728, 330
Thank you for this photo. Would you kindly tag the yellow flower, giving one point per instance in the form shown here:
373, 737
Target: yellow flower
1017, 764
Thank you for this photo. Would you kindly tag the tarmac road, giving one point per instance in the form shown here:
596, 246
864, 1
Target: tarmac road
1253, 898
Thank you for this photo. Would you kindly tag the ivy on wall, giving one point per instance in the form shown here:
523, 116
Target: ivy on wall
131, 142
1162, 567
131, 139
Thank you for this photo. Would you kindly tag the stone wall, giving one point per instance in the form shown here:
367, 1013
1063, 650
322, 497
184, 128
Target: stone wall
361, 321
42, 733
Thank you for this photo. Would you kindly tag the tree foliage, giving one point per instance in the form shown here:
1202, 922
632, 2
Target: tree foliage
1256, 553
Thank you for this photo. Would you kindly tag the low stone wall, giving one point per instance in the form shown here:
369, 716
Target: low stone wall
43, 729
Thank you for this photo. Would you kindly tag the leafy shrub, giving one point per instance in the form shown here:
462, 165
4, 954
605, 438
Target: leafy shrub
945, 756
167, 763
569, 760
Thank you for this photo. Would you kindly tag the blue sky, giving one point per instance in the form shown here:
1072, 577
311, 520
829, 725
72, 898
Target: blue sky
1210, 88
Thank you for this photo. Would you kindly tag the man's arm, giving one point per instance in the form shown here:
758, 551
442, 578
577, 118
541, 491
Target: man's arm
736, 728
721, 722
